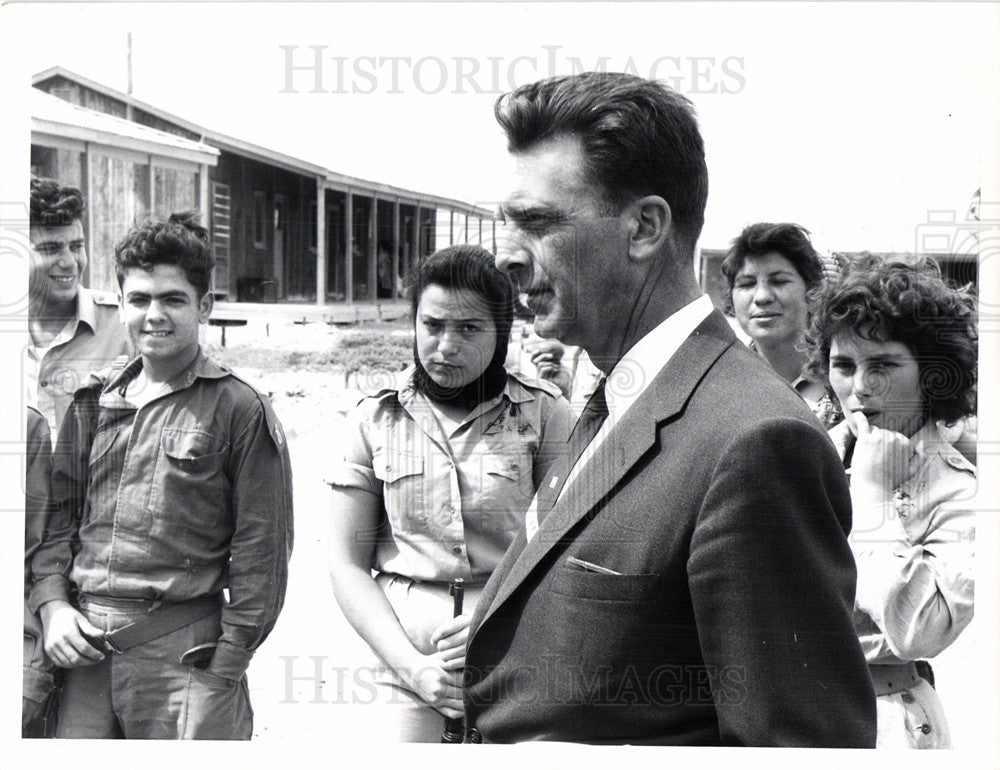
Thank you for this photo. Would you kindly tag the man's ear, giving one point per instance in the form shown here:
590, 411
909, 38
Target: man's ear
205, 305
650, 221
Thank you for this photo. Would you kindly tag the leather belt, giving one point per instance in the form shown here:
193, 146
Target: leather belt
890, 679
159, 620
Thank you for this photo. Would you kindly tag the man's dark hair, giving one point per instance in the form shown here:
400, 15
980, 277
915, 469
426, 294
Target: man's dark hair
470, 268
758, 240
181, 241
53, 205
639, 138
892, 300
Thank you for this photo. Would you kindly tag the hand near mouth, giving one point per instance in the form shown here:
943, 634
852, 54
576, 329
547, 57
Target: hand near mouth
883, 459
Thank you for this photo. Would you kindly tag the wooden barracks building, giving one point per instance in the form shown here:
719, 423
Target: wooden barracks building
273, 242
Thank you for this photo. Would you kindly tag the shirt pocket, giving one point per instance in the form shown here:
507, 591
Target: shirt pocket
189, 491
402, 477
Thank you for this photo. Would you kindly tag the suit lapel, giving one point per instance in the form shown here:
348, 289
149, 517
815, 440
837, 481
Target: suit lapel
627, 442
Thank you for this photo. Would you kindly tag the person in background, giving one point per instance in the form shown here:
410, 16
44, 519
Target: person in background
38, 682
898, 346
431, 485
770, 270
73, 331
170, 483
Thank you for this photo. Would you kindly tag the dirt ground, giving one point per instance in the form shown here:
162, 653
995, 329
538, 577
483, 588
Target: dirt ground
308, 679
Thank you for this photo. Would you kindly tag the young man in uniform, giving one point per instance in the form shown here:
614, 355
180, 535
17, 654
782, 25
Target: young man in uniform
171, 482
74, 331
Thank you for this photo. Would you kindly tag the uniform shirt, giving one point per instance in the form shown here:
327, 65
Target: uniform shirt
36, 677
453, 503
90, 342
186, 495
915, 553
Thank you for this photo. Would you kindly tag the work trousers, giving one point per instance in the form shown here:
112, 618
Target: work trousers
146, 692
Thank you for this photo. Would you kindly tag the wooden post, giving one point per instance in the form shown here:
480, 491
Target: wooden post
205, 204
395, 249
88, 186
320, 241
349, 247
416, 238
373, 251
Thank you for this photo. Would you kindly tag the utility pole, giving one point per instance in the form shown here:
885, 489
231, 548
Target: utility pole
128, 74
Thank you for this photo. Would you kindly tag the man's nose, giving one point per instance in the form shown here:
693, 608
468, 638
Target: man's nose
154, 312
512, 257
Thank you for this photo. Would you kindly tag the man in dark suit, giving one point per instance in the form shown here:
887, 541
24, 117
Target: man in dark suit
687, 580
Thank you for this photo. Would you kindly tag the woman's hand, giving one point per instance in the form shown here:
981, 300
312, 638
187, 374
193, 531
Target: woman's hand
450, 638
883, 459
432, 678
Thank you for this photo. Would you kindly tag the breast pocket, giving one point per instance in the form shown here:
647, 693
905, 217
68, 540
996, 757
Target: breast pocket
190, 484
601, 619
402, 477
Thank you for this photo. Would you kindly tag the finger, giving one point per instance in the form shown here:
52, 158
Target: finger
88, 628
455, 664
862, 424
450, 627
453, 641
453, 710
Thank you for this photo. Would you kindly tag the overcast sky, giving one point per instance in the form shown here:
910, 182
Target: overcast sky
853, 120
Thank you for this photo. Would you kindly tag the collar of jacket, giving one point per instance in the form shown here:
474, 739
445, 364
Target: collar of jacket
202, 367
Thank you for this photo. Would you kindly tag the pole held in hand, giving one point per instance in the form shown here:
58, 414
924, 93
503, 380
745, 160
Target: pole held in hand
454, 727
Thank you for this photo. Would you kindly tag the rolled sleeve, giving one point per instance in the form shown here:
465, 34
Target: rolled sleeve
352, 465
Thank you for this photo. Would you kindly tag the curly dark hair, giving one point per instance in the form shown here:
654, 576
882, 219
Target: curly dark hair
53, 205
181, 240
893, 300
639, 137
757, 240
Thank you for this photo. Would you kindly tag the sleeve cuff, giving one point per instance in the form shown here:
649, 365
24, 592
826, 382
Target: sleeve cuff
229, 661
48, 589
354, 475
36, 684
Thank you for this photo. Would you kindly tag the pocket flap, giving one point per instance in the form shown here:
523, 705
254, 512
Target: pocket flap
391, 468
190, 443
512, 467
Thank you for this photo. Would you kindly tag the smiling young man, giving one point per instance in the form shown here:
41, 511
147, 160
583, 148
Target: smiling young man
171, 482
74, 331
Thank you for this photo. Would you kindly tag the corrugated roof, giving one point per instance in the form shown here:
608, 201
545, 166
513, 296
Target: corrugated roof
51, 115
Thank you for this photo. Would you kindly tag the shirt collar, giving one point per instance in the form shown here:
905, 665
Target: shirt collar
637, 368
86, 312
202, 367
515, 392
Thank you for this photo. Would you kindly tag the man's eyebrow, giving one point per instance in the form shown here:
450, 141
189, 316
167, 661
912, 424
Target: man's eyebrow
164, 295
524, 212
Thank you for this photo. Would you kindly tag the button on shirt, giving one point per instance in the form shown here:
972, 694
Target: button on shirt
453, 502
90, 342
186, 495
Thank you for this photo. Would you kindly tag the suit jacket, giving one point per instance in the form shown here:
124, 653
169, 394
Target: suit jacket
721, 502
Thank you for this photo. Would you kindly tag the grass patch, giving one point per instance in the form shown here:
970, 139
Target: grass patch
356, 351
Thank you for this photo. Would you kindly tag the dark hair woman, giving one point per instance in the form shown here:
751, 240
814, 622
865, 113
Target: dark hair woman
897, 346
432, 484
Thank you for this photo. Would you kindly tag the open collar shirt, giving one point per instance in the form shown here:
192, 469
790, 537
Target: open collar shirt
453, 502
90, 342
174, 500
